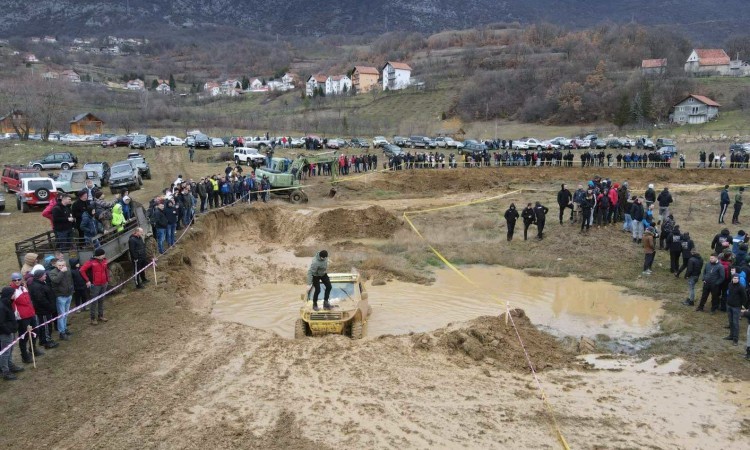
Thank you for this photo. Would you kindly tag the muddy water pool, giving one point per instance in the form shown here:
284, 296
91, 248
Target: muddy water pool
562, 306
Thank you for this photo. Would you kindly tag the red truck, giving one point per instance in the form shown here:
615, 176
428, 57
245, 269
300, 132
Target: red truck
12, 176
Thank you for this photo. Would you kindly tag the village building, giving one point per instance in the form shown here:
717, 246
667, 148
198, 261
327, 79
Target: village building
135, 85
364, 78
654, 66
708, 61
315, 82
695, 109
338, 84
395, 75
16, 117
86, 123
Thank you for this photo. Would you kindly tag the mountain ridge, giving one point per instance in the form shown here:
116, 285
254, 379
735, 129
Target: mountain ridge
78, 17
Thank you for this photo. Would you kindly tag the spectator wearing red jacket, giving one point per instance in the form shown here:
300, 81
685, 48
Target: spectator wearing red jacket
96, 274
27, 316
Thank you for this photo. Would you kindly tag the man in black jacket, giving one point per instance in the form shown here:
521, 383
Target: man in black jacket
529, 217
693, 272
664, 199
565, 200
159, 220
713, 277
62, 223
723, 203
511, 215
541, 213
650, 195
8, 329
675, 249
736, 301
78, 207
139, 256
721, 241
45, 305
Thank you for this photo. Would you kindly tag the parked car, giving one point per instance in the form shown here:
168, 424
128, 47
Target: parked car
201, 141
70, 181
578, 142
562, 142
598, 144
59, 160
125, 174
645, 143
70, 138
614, 143
667, 150
447, 142
141, 164
217, 142
297, 142
358, 143
12, 176
172, 140
400, 141
34, 192
379, 141
190, 141
518, 144
472, 147
118, 141
143, 141
101, 168
248, 155
333, 144
390, 150
421, 142
662, 142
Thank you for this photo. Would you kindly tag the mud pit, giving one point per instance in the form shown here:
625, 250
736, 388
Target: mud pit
563, 306
464, 385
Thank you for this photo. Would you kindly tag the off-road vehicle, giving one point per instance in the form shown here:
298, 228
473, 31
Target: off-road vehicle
349, 311
36, 191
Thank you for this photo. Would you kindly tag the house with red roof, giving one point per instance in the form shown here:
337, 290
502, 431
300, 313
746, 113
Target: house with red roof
695, 109
317, 81
654, 66
708, 61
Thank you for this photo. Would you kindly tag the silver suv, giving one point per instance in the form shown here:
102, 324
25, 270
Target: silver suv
124, 174
141, 164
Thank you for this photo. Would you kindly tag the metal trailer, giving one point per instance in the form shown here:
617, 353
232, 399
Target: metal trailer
114, 243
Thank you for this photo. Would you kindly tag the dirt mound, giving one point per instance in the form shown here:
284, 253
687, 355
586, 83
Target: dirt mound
490, 340
373, 222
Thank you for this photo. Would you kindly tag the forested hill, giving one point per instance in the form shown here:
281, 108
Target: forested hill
705, 20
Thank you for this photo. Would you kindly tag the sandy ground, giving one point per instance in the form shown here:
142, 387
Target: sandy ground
164, 374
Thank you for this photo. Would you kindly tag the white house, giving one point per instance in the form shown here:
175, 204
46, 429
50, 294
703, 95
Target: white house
229, 87
163, 88
50, 39
289, 79
135, 85
315, 82
255, 84
695, 109
338, 84
30, 58
50, 75
396, 75
212, 88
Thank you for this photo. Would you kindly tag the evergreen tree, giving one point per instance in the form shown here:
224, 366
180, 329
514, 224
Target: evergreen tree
172, 83
622, 115
154, 84
245, 83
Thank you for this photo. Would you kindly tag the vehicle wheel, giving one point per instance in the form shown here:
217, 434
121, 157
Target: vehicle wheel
2, 208
148, 175
25, 207
237, 160
65, 166
301, 329
38, 166
42, 193
357, 328
140, 182
297, 197
18, 203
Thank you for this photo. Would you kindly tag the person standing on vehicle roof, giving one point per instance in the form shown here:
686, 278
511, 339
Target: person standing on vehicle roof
318, 273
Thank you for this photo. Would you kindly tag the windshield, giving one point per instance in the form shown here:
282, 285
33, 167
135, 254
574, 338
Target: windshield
339, 290
122, 168
28, 174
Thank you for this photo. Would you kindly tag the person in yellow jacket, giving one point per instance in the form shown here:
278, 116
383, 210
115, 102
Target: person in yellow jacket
118, 218
213, 198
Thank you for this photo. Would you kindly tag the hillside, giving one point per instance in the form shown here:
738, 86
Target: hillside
73, 17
